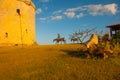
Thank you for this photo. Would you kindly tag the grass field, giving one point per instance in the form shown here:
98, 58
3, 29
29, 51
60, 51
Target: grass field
54, 62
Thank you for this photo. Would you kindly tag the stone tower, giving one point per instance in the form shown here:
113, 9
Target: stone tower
17, 22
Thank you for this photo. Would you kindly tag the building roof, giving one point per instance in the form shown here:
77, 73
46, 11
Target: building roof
114, 26
28, 2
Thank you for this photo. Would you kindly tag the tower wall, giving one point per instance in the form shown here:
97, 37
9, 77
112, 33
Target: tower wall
17, 22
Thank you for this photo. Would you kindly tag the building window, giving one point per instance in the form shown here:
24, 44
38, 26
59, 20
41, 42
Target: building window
18, 11
6, 35
26, 30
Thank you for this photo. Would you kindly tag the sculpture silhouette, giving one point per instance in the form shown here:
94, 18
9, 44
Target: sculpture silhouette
58, 35
59, 40
75, 40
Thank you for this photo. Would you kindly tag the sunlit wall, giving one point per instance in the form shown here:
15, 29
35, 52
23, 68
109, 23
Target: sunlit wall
17, 22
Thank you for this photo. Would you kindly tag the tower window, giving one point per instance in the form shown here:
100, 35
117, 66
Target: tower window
26, 31
6, 34
18, 11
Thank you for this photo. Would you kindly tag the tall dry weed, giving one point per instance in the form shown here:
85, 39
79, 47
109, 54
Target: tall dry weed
116, 50
102, 50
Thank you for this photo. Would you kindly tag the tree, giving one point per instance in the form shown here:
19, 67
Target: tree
82, 34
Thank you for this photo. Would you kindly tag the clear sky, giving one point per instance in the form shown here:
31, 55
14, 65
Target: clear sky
68, 16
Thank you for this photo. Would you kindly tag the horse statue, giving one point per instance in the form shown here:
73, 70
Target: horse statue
75, 39
59, 40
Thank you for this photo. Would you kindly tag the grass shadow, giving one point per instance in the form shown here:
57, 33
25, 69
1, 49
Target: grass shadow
75, 53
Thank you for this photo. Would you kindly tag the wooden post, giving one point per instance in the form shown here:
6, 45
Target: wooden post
111, 36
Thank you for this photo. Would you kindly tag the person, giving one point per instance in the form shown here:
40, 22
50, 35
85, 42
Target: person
58, 35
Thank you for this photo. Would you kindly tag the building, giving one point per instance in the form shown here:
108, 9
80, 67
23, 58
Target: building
114, 28
17, 22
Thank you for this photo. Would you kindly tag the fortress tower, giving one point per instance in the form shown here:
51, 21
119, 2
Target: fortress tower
17, 22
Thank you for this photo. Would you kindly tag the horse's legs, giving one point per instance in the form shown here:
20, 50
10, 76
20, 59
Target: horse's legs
57, 42
64, 42
77, 41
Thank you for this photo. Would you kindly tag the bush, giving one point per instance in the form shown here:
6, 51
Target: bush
102, 50
116, 50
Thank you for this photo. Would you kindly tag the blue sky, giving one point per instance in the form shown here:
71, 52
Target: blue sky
68, 16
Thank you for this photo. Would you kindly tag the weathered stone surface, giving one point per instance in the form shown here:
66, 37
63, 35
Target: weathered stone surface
17, 22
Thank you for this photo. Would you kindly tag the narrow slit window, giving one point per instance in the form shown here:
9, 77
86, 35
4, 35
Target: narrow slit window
6, 35
18, 11
26, 31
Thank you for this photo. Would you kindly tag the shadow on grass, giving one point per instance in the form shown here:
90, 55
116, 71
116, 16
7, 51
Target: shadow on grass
75, 53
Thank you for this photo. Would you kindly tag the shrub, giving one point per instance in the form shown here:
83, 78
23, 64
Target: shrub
102, 50
116, 50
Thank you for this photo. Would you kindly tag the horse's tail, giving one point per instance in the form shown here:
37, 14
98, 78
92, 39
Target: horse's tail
64, 40
54, 40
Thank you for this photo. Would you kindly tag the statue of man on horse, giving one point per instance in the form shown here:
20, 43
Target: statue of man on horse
59, 39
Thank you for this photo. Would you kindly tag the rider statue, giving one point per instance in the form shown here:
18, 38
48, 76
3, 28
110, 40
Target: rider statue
58, 35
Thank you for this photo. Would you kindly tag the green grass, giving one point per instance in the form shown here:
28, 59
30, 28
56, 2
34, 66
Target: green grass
53, 62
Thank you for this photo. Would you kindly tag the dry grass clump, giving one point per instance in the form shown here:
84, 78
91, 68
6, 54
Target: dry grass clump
116, 50
102, 50
99, 51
